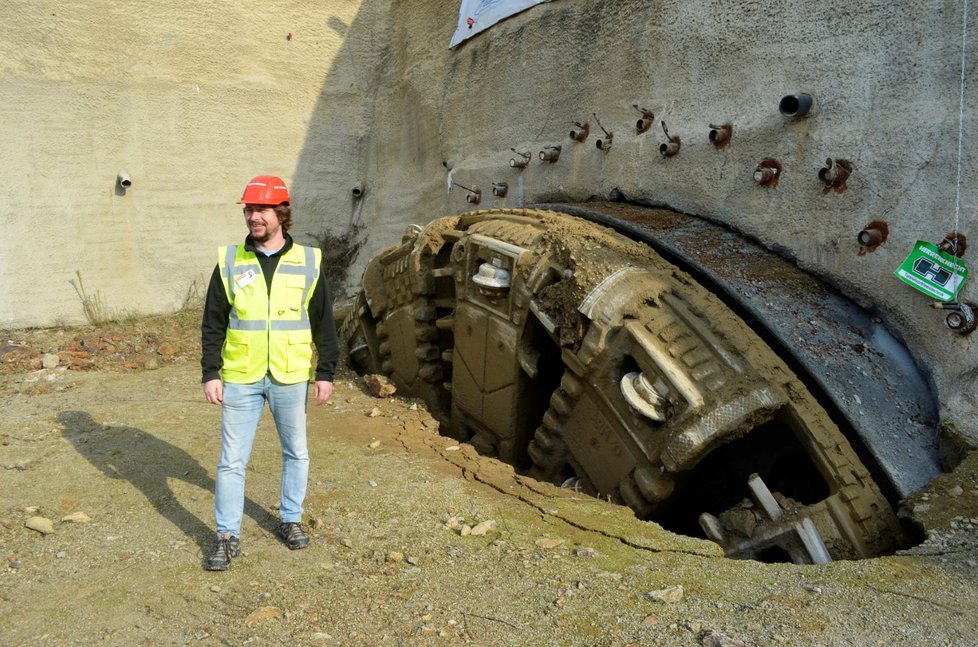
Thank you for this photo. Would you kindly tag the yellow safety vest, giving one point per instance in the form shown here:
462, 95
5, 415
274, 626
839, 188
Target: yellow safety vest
268, 332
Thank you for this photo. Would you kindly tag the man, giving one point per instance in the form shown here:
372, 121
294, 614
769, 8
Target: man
267, 304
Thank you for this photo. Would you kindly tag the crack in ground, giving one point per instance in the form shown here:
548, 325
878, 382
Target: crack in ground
474, 474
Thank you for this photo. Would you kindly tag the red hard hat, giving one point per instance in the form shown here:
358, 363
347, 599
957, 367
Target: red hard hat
265, 189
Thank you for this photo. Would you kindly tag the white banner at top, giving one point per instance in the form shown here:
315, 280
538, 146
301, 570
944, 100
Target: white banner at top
479, 15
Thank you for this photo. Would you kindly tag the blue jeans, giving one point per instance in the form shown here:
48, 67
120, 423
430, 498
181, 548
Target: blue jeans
240, 413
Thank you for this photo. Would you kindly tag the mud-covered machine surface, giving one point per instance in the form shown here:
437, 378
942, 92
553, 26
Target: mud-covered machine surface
584, 358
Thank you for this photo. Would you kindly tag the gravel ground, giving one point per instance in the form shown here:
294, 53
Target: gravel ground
416, 540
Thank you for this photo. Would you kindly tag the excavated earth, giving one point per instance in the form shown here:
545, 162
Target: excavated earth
416, 539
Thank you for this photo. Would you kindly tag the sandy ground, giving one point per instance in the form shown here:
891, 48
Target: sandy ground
121, 462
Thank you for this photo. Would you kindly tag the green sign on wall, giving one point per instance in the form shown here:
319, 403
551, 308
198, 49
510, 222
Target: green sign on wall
933, 272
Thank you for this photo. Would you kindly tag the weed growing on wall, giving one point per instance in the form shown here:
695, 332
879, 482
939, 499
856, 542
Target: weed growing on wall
96, 310
340, 251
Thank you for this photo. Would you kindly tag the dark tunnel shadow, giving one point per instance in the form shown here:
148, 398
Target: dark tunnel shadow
147, 462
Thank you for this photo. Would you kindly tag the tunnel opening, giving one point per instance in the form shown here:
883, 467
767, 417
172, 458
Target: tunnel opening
719, 482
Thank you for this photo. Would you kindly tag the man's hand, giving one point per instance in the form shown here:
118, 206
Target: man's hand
214, 391
323, 390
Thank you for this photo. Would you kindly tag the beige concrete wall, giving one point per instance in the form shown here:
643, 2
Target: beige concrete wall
192, 101
886, 77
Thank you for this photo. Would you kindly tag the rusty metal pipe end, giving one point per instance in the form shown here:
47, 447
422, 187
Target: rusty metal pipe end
581, 132
550, 154
720, 135
768, 172
670, 148
954, 243
961, 320
872, 236
500, 189
605, 143
648, 118
835, 174
474, 196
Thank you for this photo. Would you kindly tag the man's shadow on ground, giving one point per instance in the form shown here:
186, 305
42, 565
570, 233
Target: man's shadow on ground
148, 462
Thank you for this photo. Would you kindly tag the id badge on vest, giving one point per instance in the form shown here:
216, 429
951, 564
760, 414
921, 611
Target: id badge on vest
246, 278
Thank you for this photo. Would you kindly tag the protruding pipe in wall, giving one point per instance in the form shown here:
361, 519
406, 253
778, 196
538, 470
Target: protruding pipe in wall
474, 195
646, 120
768, 172
872, 236
720, 135
358, 190
603, 144
796, 105
834, 175
954, 243
123, 180
500, 189
672, 146
521, 159
580, 133
550, 154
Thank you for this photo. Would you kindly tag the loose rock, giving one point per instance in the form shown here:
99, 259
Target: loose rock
50, 360
41, 525
483, 527
379, 386
263, 614
668, 595
76, 517
374, 445
546, 543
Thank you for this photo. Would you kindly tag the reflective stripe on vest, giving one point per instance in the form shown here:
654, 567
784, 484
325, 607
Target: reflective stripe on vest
268, 332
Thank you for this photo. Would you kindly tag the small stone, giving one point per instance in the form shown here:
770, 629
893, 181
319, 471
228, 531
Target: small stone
650, 620
346, 542
483, 527
374, 445
263, 614
395, 556
585, 552
264, 595
921, 508
41, 525
712, 639
466, 530
668, 595
316, 523
452, 448
372, 483
414, 406
374, 413
957, 490
151, 364
412, 560
546, 543
166, 349
76, 517
50, 360
215, 589
379, 386
60, 554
